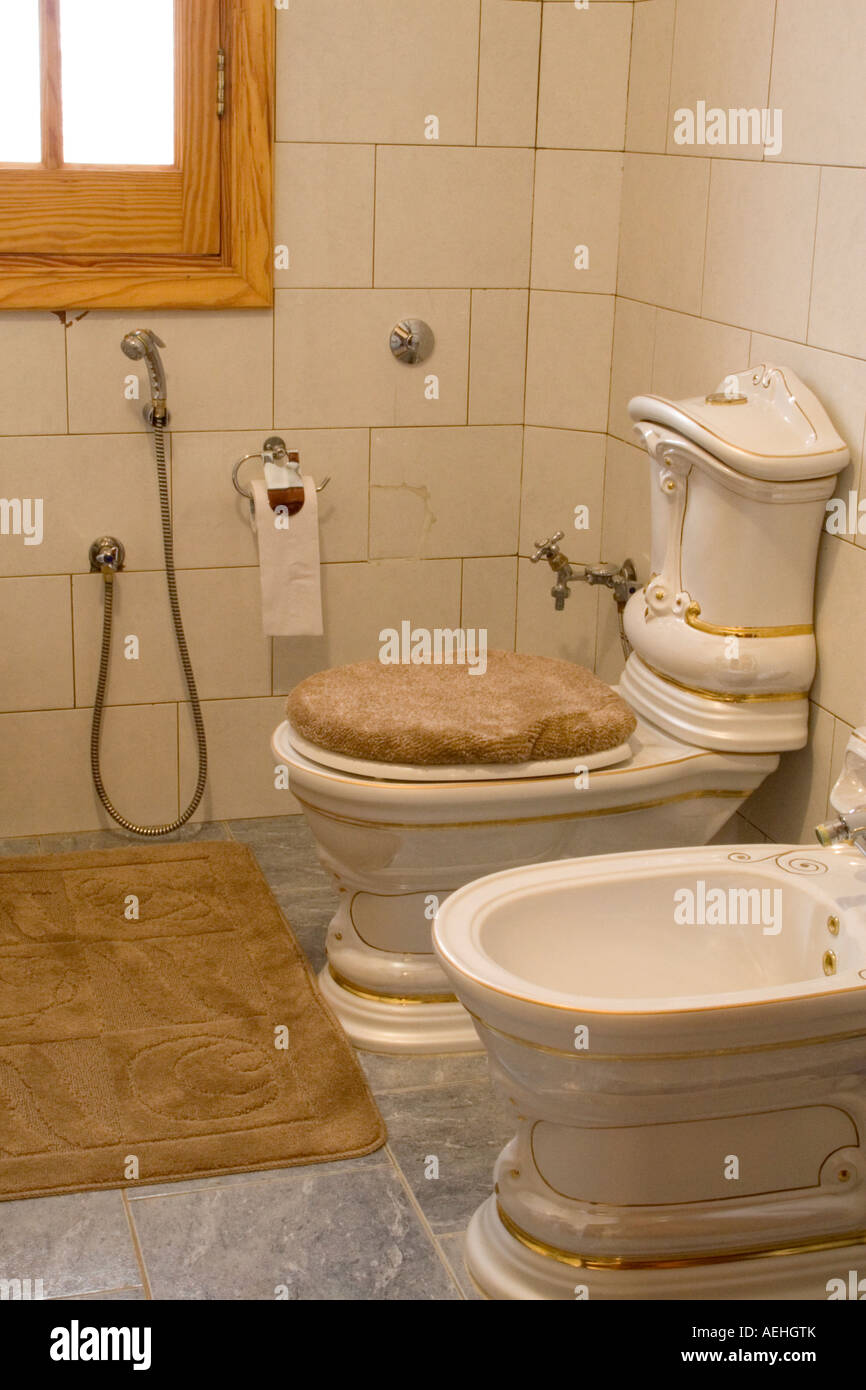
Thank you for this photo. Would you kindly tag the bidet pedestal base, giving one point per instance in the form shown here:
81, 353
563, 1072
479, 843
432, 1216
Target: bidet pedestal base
505, 1267
380, 1025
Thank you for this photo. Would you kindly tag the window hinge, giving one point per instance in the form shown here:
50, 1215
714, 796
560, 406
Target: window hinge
221, 82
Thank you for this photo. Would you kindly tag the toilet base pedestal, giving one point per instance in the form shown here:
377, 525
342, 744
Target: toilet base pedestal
507, 1266
379, 1024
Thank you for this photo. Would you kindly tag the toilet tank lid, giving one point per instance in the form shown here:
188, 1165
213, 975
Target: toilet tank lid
763, 422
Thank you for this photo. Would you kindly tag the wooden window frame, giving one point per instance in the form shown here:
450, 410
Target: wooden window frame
240, 274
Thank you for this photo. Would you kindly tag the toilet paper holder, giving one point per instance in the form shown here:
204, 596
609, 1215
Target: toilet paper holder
273, 451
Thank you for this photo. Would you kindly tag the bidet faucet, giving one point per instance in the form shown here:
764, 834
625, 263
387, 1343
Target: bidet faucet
848, 797
621, 579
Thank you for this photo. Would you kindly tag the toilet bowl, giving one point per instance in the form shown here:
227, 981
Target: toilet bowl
722, 660
681, 1038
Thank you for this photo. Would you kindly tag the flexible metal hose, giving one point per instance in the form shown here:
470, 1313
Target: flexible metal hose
183, 651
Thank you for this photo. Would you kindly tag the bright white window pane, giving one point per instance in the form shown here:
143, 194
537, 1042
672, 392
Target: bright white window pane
118, 81
20, 97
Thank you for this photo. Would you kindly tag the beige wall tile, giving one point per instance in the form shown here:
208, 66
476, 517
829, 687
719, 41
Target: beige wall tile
374, 70
577, 204
32, 374
760, 240
722, 56
489, 599
562, 470
838, 313
497, 356
508, 74
840, 686
818, 80
632, 366
584, 76
222, 620
541, 631
359, 601
35, 644
46, 758
793, 800
219, 368
568, 366
693, 356
212, 523
444, 492
89, 486
334, 367
625, 535
661, 246
323, 213
738, 831
241, 763
453, 218
626, 524
649, 77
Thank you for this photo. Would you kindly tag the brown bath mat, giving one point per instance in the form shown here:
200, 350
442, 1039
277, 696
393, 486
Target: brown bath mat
141, 994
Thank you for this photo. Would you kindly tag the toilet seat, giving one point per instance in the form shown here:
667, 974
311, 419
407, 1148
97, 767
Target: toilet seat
516, 710
463, 772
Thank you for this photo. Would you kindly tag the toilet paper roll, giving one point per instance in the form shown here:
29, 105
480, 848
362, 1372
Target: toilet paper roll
289, 565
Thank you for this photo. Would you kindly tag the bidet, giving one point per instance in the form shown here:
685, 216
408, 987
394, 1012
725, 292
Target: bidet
688, 1091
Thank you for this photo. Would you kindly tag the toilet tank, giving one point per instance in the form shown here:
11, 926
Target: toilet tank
722, 633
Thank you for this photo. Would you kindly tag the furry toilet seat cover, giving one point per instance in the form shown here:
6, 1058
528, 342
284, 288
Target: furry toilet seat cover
521, 709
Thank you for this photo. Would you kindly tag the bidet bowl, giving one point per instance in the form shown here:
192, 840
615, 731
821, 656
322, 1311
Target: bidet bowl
681, 1036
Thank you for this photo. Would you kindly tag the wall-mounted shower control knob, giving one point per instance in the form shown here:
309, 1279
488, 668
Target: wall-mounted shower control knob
107, 553
412, 341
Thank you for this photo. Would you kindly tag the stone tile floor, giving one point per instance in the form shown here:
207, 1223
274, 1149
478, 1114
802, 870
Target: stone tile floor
370, 1228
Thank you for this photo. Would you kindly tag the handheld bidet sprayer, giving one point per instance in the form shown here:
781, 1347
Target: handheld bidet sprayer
144, 345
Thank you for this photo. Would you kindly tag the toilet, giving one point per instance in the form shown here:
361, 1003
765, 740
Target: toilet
723, 655
680, 1037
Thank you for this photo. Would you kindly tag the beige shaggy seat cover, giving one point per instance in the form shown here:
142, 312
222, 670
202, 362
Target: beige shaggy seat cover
521, 709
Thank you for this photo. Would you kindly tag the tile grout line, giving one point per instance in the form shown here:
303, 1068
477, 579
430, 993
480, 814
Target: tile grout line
136, 1243
428, 1229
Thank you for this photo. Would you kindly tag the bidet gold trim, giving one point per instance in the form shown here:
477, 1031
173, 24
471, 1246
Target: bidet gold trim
793, 630
624, 1263
727, 696
526, 820
381, 997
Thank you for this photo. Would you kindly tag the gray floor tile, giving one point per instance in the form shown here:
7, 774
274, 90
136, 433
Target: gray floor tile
82, 841
309, 917
10, 848
290, 831
389, 1073
135, 1295
74, 1244
452, 1250
463, 1127
346, 1168
320, 1238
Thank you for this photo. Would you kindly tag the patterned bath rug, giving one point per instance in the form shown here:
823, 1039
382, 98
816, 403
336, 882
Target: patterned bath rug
159, 1022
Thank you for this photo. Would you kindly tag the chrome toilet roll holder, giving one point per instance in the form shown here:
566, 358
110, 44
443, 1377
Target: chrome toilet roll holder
273, 450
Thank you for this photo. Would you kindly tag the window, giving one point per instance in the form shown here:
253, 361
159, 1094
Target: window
135, 153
